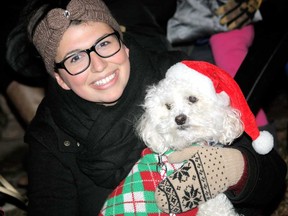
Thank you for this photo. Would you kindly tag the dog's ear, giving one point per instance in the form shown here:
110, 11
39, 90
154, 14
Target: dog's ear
146, 129
223, 98
232, 126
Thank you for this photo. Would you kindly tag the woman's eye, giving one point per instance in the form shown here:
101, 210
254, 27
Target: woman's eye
77, 57
168, 106
192, 99
103, 44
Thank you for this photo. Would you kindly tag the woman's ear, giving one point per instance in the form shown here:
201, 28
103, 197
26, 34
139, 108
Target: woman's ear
127, 50
60, 81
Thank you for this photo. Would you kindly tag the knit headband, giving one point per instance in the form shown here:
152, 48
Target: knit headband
50, 30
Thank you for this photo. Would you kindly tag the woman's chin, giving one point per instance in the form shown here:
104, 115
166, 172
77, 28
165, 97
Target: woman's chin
112, 101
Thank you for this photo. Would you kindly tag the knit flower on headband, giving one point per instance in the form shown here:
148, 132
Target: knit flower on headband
59, 18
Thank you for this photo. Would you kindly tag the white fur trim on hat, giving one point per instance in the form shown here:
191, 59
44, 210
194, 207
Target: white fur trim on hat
198, 81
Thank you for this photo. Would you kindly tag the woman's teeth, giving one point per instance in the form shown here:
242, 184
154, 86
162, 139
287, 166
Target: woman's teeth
105, 80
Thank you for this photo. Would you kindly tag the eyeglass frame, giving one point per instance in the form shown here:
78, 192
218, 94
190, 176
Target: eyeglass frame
61, 65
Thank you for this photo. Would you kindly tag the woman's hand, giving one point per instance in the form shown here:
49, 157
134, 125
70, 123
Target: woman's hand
208, 172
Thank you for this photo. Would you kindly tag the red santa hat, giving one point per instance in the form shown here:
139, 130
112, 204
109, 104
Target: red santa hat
213, 80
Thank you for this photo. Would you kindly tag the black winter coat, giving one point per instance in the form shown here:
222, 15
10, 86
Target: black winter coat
79, 151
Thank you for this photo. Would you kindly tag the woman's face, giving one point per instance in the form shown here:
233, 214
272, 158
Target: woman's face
106, 78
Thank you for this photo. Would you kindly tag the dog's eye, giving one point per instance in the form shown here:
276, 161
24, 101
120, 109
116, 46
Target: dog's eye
193, 99
168, 106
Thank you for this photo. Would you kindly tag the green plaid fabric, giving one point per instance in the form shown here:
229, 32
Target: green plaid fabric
135, 194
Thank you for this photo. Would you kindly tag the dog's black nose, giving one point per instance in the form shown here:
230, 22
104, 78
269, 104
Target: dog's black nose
180, 119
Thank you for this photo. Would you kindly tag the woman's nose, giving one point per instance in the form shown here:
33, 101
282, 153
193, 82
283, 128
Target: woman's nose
98, 64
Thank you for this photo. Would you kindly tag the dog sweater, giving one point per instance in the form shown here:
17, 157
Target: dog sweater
135, 195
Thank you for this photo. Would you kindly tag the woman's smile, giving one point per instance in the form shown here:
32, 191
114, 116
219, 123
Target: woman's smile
107, 81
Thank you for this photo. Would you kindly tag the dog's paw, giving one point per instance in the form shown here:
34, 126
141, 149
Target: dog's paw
219, 206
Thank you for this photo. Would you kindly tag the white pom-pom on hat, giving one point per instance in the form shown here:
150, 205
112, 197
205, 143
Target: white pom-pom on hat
263, 143
212, 79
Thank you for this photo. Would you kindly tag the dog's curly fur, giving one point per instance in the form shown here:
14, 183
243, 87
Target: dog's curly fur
177, 114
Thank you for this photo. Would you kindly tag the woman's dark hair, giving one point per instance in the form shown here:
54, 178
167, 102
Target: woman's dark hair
21, 54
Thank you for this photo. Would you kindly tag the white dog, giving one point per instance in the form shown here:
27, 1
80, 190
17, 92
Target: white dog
198, 103
190, 106
178, 114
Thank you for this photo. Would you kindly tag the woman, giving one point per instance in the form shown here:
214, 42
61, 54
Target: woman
82, 142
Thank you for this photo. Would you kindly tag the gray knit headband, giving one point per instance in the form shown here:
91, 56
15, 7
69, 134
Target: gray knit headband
50, 30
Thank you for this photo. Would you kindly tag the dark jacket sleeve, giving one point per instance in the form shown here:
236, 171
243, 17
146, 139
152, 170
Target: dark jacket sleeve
56, 184
265, 184
51, 191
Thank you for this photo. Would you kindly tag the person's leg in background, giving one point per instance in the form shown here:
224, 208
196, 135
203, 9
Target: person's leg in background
229, 50
25, 99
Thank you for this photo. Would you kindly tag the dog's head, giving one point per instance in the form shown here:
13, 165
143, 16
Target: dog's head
178, 114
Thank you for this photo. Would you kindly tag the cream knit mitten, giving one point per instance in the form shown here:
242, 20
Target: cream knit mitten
208, 172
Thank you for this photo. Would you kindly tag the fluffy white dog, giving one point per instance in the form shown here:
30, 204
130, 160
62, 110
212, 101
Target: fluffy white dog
198, 103
178, 114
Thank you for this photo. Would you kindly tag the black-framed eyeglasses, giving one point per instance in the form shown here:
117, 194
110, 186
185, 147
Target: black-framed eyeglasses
78, 62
